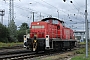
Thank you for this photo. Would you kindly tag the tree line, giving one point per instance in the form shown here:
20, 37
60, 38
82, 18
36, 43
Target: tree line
11, 33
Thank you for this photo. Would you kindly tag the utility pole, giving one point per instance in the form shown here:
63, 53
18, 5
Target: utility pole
86, 28
33, 15
11, 9
40, 16
2, 14
58, 14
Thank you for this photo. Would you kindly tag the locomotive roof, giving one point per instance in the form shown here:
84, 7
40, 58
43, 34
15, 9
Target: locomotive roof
52, 19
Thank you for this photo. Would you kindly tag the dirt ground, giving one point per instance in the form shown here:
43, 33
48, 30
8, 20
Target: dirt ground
64, 56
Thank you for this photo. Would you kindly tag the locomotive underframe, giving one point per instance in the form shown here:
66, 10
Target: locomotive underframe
55, 44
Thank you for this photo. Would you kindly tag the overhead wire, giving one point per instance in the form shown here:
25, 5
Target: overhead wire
45, 13
50, 5
31, 9
79, 13
76, 8
26, 9
56, 7
53, 6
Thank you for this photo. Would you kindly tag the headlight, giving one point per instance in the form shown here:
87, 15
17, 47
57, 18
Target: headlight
35, 40
46, 38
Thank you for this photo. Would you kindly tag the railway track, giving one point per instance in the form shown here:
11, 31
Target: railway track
13, 47
20, 55
26, 54
14, 52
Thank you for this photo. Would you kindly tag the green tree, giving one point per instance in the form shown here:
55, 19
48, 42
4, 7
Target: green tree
13, 31
22, 31
24, 26
20, 35
4, 33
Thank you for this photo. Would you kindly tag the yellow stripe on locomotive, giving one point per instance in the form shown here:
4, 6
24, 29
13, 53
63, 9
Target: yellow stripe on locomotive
34, 45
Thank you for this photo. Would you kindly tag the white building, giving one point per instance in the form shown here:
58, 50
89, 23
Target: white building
80, 35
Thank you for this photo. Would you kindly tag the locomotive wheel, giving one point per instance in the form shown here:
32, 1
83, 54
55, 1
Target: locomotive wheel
66, 49
27, 48
31, 48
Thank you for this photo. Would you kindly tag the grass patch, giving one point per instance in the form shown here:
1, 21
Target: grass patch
80, 51
10, 44
81, 54
81, 57
82, 43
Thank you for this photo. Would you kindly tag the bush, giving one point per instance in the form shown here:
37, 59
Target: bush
81, 51
20, 35
4, 33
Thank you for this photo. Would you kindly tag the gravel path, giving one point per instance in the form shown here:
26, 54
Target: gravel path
69, 59
64, 56
8, 50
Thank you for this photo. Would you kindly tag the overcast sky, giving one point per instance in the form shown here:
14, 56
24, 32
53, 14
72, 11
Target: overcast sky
71, 13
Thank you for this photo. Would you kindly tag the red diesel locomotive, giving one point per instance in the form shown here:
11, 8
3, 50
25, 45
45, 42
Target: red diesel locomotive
50, 33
